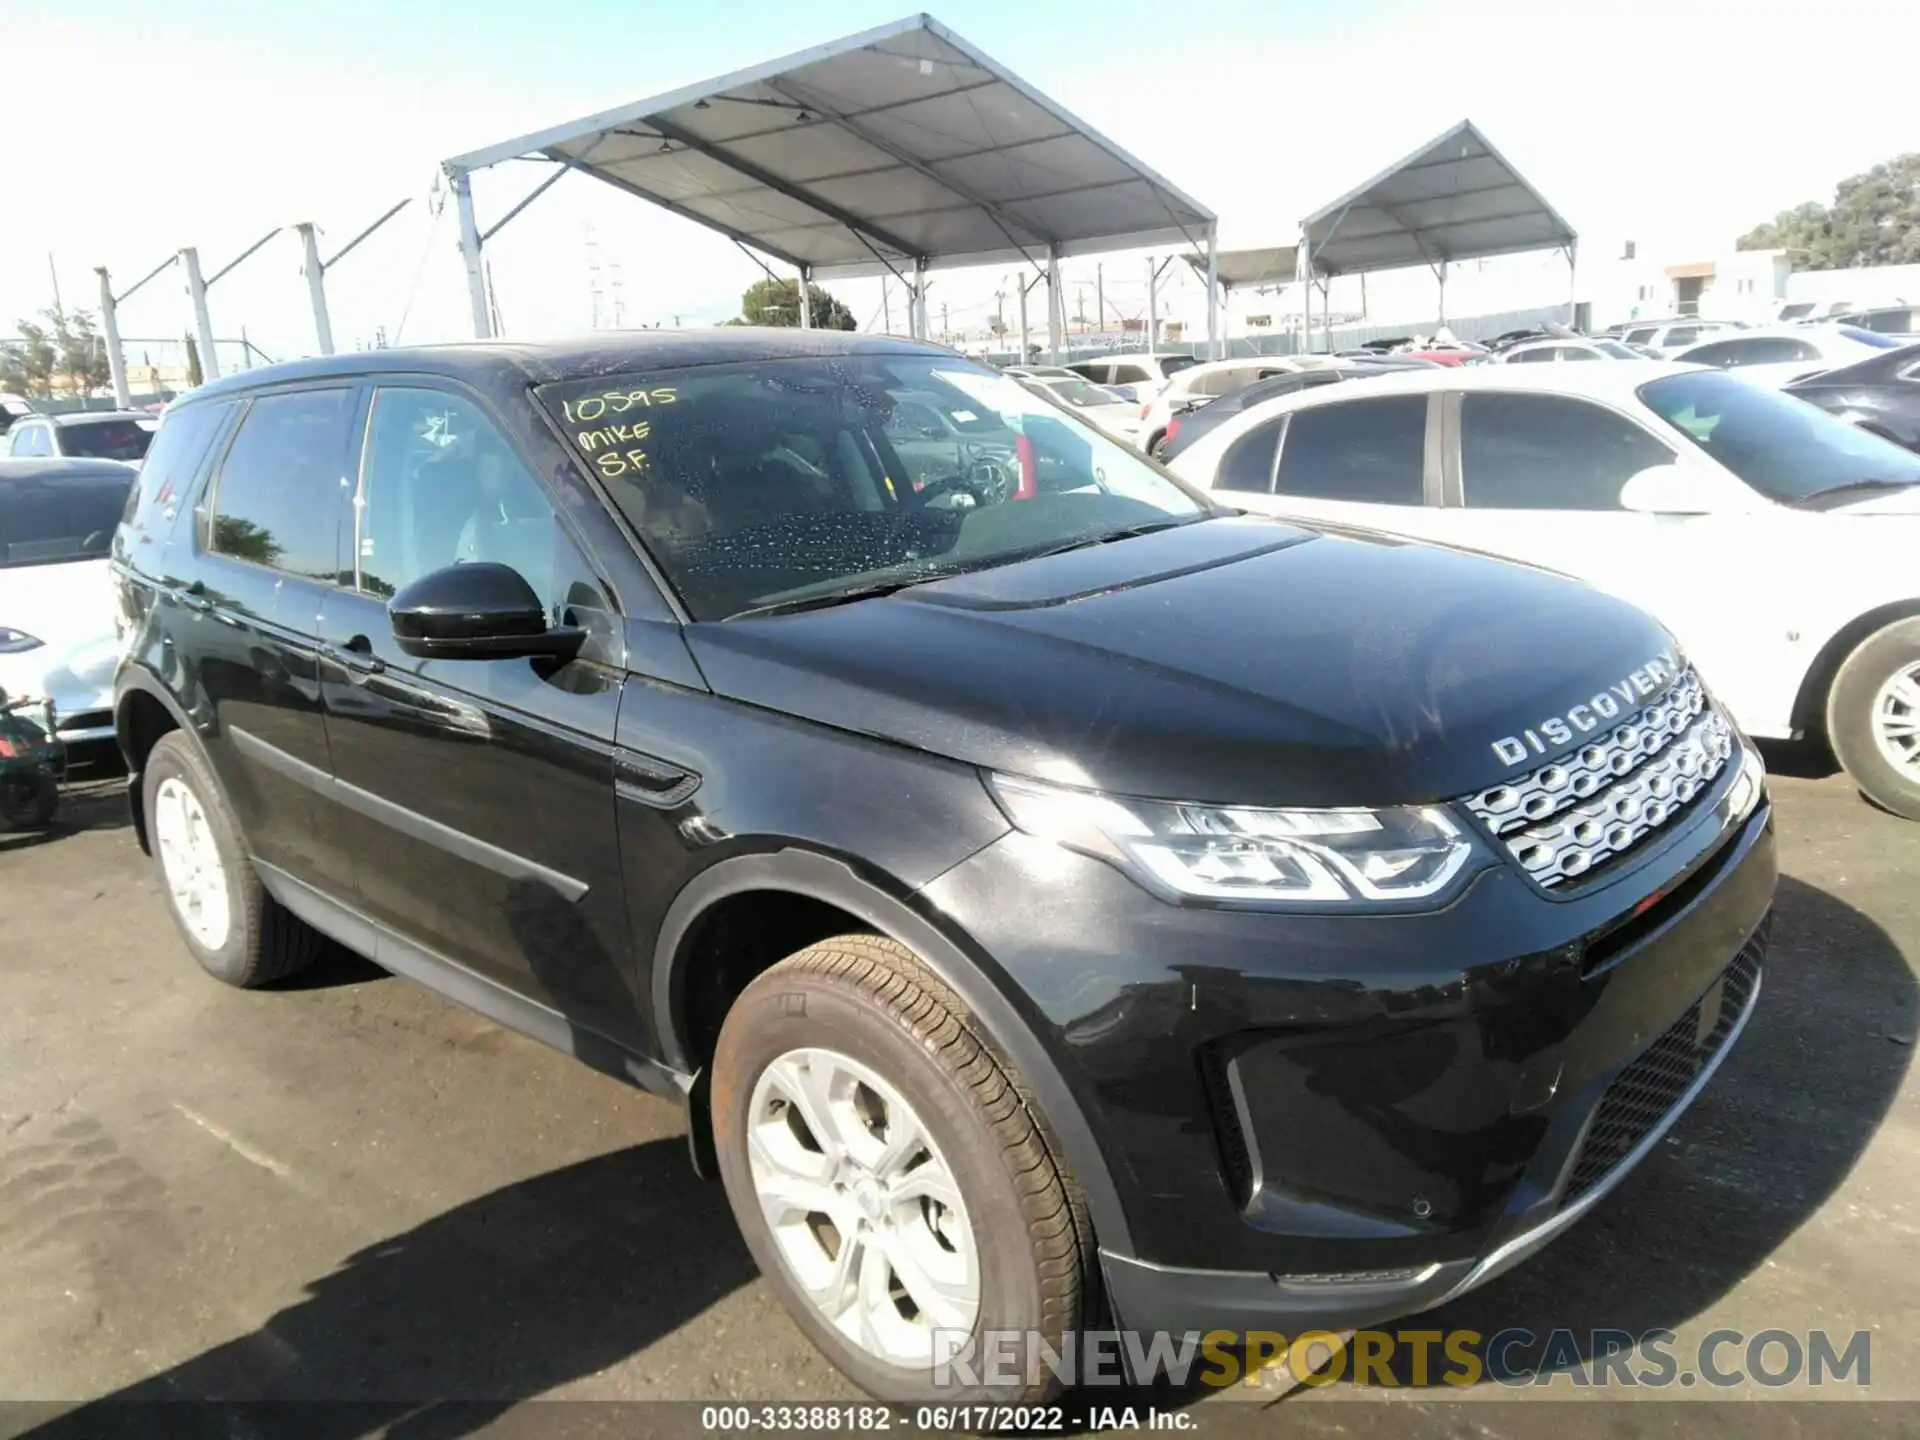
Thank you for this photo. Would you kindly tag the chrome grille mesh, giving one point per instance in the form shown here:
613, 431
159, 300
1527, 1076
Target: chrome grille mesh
1583, 808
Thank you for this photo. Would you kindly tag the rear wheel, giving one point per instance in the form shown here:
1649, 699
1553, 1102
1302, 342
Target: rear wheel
29, 802
1873, 717
238, 932
888, 1175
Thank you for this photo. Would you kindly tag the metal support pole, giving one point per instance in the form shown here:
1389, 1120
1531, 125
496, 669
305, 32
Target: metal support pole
1153, 307
462, 188
918, 315
316, 287
806, 300
1025, 354
1215, 344
110, 326
1441, 271
202, 322
1056, 307
1573, 286
1305, 267
1100, 295
886, 307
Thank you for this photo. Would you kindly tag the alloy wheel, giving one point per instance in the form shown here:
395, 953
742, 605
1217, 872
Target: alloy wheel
190, 859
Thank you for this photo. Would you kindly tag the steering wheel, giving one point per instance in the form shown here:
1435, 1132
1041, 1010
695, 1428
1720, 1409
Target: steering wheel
987, 480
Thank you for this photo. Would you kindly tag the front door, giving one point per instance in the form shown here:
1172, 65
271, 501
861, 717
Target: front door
479, 793
264, 562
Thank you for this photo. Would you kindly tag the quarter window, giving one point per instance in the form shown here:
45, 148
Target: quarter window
183, 441
1547, 452
1247, 467
440, 486
276, 501
1368, 451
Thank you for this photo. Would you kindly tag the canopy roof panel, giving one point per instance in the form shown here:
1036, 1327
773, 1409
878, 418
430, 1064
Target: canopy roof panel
1455, 198
900, 142
1274, 265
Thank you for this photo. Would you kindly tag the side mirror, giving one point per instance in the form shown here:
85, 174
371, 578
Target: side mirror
1668, 490
479, 611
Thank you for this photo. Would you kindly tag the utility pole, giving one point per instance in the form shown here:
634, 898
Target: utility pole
54, 273
110, 324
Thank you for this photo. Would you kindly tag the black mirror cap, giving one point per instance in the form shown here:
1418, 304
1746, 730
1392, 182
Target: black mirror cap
477, 611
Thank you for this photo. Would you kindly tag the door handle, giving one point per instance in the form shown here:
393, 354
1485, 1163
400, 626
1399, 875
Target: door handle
194, 596
356, 657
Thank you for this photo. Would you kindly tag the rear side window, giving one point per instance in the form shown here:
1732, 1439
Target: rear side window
1548, 452
1637, 337
178, 449
1530, 357
276, 501
1761, 350
1683, 335
1247, 467
1128, 375
1369, 451
31, 440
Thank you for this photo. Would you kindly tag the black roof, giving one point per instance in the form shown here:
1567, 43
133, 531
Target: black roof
482, 362
39, 467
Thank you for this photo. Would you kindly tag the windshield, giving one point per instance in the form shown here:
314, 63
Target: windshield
786, 480
1081, 394
107, 439
1869, 337
1782, 447
43, 522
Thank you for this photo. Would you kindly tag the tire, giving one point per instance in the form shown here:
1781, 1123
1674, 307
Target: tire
29, 803
1157, 446
1871, 711
864, 1003
239, 933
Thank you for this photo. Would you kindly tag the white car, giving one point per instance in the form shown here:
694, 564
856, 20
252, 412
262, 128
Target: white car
1536, 352
1779, 356
1095, 404
1213, 379
1776, 542
1665, 338
57, 607
1147, 371
84, 434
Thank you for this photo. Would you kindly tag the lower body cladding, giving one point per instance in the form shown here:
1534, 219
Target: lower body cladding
1327, 1121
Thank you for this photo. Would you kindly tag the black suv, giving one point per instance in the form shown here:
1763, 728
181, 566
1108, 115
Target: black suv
1050, 895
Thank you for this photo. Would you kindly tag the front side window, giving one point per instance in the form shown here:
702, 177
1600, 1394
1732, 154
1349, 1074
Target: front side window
1783, 447
107, 439
45, 521
1368, 451
276, 500
1548, 452
31, 440
440, 486
777, 483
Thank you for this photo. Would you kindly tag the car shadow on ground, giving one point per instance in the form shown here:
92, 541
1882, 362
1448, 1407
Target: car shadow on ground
1770, 1139
1810, 759
439, 1331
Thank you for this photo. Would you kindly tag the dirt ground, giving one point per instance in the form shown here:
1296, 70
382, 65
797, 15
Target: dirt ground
346, 1189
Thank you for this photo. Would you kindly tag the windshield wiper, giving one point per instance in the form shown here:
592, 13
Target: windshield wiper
1851, 488
1145, 527
839, 597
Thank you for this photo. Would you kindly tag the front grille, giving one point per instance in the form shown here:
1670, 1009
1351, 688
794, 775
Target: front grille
1644, 1094
1589, 806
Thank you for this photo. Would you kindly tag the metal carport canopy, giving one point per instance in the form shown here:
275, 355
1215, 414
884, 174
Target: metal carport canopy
902, 147
1455, 198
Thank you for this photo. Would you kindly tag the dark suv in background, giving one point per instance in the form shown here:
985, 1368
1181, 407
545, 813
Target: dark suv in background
1050, 894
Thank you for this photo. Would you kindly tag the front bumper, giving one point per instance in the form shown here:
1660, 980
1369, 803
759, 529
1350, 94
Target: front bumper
1325, 1120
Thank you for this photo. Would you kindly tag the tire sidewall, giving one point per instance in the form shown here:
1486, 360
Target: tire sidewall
810, 1010
230, 962
1850, 717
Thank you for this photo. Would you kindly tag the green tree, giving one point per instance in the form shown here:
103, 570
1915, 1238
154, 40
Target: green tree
1874, 220
777, 302
64, 353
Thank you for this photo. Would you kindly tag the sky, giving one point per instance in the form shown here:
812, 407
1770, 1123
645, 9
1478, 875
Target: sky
136, 128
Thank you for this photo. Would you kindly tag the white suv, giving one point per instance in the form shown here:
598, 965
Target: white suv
1776, 542
1664, 339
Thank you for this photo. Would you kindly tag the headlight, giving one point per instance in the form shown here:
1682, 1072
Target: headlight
14, 642
1216, 852
1744, 793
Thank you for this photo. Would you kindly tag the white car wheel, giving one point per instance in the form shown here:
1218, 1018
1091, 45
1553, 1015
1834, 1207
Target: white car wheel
190, 860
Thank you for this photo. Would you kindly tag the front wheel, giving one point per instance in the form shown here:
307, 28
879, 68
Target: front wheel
1873, 717
29, 803
889, 1178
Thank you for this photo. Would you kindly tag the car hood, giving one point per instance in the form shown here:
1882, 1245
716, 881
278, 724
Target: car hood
1892, 502
1236, 660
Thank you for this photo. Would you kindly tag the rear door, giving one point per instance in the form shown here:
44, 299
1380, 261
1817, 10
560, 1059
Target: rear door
245, 599
480, 793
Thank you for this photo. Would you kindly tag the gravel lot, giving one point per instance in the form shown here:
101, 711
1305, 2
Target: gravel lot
348, 1189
